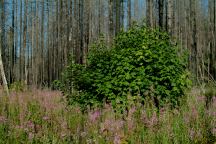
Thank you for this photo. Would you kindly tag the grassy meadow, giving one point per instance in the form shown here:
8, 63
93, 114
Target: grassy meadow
42, 116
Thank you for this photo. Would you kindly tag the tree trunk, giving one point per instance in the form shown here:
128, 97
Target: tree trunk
23, 50
161, 9
111, 26
136, 10
42, 46
21, 47
87, 28
81, 26
12, 53
149, 13
170, 16
4, 80
118, 16
129, 12
194, 59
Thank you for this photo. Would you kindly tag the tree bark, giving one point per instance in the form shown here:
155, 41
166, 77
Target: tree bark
149, 13
118, 16
42, 46
194, 59
170, 16
161, 9
4, 80
21, 47
129, 12
111, 26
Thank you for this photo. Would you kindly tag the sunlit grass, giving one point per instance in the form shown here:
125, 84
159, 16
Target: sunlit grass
42, 116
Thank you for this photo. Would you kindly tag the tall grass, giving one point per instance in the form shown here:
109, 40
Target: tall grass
43, 117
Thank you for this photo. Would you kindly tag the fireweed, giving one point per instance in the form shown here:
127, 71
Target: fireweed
43, 117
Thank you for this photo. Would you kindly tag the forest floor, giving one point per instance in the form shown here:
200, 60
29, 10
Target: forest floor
42, 116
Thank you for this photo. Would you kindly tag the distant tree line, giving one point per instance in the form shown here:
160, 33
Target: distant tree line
38, 36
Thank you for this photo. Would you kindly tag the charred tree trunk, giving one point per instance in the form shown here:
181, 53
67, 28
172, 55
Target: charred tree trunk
161, 12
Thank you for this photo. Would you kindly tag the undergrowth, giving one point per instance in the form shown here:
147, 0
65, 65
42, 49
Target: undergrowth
44, 117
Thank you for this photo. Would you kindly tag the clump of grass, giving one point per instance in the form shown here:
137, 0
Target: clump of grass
42, 117
210, 92
18, 86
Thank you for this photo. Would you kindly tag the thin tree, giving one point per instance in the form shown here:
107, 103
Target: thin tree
23, 49
170, 16
194, 59
129, 12
149, 13
111, 24
161, 12
4, 80
118, 16
42, 45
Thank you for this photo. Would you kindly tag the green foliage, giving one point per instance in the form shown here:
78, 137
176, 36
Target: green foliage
56, 85
210, 90
18, 86
142, 62
209, 93
39, 117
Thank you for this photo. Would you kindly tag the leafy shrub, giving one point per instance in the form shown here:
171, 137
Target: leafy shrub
18, 86
209, 93
56, 85
142, 62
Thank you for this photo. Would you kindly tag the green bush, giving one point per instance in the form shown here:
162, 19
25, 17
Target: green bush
18, 86
141, 62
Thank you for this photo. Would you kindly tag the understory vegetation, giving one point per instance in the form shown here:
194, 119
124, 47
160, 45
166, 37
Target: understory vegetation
108, 72
44, 117
142, 62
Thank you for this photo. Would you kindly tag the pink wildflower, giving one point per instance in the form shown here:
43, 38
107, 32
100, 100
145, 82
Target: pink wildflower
117, 139
19, 127
213, 113
112, 125
195, 113
109, 124
162, 110
214, 131
201, 98
3, 119
64, 125
154, 120
186, 119
94, 115
45, 118
192, 134
214, 101
30, 136
131, 111
130, 124
119, 124
30, 125
144, 117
